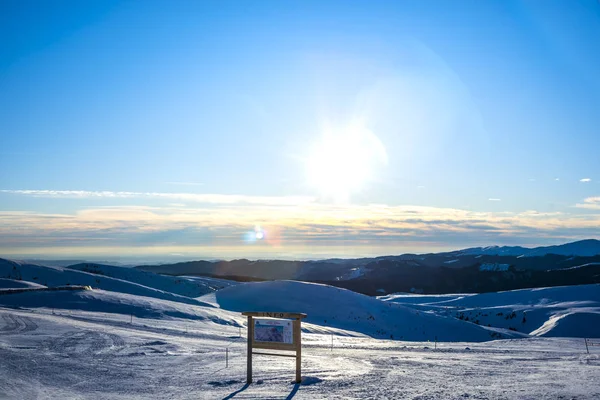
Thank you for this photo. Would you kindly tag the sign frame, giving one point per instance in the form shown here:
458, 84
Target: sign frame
295, 346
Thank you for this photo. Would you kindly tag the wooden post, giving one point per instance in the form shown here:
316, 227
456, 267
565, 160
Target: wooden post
298, 343
586, 346
249, 356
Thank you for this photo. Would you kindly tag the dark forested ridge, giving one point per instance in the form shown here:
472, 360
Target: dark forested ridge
471, 270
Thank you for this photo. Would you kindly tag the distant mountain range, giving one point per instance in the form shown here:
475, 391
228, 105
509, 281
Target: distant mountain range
475, 270
472, 270
583, 248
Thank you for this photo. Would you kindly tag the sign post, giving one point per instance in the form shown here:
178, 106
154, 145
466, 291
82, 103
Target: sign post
274, 331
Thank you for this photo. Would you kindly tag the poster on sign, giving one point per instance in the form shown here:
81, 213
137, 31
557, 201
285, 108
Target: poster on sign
273, 331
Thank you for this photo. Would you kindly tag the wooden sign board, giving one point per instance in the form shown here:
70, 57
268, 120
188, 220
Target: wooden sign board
281, 331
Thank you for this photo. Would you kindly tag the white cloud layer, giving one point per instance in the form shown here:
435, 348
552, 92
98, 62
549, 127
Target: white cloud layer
592, 203
192, 197
291, 223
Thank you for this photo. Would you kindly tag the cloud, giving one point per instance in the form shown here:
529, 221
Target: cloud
592, 203
493, 199
584, 180
314, 224
557, 179
192, 197
292, 227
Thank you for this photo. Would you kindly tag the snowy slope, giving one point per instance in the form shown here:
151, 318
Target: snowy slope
87, 355
15, 284
553, 311
60, 276
177, 285
340, 308
119, 303
121, 307
589, 247
584, 248
496, 251
352, 274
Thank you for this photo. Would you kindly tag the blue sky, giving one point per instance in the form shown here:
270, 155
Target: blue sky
180, 129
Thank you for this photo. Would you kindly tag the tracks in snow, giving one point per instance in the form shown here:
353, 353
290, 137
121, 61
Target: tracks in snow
13, 324
81, 343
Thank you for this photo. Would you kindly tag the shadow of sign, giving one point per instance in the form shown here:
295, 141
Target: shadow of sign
230, 396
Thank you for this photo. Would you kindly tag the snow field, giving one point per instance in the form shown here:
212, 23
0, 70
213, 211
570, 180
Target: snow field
566, 311
78, 354
132, 340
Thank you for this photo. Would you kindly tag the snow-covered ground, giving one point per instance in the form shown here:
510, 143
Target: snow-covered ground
78, 354
136, 339
340, 308
572, 311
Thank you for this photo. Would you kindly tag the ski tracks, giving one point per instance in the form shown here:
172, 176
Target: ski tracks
86, 342
12, 324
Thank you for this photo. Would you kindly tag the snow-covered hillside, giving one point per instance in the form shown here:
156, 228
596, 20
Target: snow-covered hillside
72, 354
130, 337
173, 284
572, 311
61, 276
15, 284
340, 308
583, 248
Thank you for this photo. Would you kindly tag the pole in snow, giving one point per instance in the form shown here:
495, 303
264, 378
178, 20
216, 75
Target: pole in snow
586, 346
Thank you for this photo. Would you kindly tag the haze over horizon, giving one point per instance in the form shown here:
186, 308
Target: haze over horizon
223, 129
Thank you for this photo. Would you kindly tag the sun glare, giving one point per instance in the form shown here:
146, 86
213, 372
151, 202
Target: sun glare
343, 161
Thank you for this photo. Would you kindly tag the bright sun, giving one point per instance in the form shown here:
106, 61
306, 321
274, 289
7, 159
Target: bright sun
343, 161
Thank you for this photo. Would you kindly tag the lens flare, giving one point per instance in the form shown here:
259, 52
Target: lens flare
257, 234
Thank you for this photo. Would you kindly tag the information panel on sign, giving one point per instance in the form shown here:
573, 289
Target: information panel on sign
273, 331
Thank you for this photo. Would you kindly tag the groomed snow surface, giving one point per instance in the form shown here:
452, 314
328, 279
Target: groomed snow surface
142, 337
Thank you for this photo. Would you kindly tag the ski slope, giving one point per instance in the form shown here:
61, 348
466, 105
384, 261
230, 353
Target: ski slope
344, 309
130, 337
118, 282
15, 284
74, 354
572, 311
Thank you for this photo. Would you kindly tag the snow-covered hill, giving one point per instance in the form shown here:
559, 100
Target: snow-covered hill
15, 284
60, 276
558, 311
119, 308
340, 308
582, 248
102, 301
133, 338
177, 285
